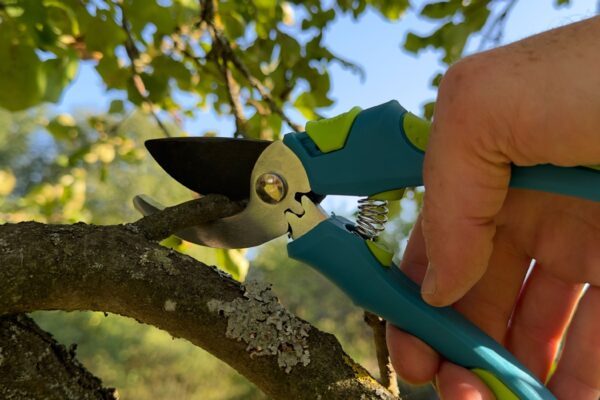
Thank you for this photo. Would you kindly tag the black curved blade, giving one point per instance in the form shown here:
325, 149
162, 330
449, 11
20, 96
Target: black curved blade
209, 164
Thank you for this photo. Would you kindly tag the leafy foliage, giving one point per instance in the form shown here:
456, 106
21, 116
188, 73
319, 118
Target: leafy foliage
461, 21
150, 50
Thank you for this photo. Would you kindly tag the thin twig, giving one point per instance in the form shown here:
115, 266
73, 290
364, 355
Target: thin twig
233, 93
233, 88
194, 212
496, 28
387, 376
133, 54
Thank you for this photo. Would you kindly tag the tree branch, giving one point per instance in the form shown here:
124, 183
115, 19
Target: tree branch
194, 212
118, 269
496, 29
233, 93
387, 375
133, 55
45, 368
207, 11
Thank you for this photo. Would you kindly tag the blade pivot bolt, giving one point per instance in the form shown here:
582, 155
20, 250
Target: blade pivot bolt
271, 188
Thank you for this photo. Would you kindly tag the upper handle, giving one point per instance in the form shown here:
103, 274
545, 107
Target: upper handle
345, 259
381, 149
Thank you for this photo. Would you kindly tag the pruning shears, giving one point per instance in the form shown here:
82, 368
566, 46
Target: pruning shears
376, 153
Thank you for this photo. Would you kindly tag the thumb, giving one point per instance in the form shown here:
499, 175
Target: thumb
466, 182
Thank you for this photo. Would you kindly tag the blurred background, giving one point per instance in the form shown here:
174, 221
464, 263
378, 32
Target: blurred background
84, 83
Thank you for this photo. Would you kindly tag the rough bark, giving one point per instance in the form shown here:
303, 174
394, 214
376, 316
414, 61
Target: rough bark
119, 269
34, 366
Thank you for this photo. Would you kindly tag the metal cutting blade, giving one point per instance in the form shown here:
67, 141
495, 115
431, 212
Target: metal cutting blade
260, 221
209, 164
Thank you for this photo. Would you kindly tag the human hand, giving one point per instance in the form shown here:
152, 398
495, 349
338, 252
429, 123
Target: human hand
533, 102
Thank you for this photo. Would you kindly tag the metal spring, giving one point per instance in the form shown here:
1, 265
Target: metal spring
372, 215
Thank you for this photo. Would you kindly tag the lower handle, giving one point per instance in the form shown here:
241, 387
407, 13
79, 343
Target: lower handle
345, 259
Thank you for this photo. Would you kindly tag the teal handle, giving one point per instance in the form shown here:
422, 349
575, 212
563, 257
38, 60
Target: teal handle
344, 258
383, 150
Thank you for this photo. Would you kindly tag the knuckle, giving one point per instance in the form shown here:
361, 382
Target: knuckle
465, 84
473, 111
469, 97
481, 102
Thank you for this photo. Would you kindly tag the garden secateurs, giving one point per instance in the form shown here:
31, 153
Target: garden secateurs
375, 153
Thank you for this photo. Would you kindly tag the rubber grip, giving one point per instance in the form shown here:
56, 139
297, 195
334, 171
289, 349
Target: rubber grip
343, 257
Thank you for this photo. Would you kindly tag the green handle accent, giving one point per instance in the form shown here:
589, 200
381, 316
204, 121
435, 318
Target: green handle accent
381, 253
330, 134
390, 195
496, 386
416, 130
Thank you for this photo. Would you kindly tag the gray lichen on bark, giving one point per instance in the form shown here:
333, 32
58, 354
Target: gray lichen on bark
159, 257
265, 325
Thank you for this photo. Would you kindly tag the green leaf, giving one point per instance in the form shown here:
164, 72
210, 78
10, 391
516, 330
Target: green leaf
101, 33
63, 127
140, 13
428, 110
156, 85
290, 50
22, 76
436, 80
454, 37
59, 73
562, 2
414, 43
267, 127
114, 76
441, 9
14, 10
265, 3
62, 16
476, 15
391, 9
319, 19
234, 24
307, 103
116, 107
166, 68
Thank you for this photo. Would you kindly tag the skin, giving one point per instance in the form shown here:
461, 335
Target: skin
532, 102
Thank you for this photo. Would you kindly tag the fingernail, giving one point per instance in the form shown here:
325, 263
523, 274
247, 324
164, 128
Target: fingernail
428, 286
